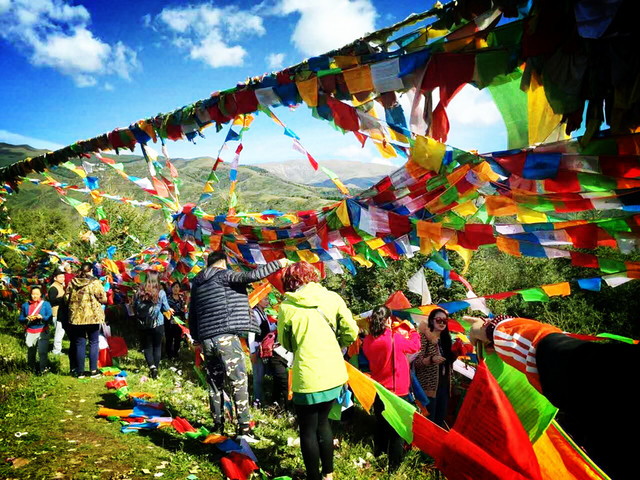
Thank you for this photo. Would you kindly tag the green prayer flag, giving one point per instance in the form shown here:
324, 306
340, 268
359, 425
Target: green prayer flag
292, 255
620, 338
100, 215
533, 409
594, 182
608, 265
512, 104
336, 412
398, 412
615, 225
436, 257
436, 182
453, 220
449, 196
491, 66
604, 146
533, 295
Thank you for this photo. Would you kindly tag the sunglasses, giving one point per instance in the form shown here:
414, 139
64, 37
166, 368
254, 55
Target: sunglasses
441, 321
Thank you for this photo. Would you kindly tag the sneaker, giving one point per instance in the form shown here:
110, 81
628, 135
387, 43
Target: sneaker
154, 373
247, 433
95, 374
248, 437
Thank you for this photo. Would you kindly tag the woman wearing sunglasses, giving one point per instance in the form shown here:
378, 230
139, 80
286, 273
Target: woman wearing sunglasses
433, 363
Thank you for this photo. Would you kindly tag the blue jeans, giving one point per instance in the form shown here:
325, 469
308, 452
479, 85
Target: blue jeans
437, 406
81, 332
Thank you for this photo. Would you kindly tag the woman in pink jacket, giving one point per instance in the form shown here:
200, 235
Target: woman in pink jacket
387, 353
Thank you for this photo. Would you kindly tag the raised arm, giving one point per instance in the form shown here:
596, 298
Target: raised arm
257, 274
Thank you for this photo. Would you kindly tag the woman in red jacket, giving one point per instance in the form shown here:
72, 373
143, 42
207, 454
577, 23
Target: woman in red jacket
387, 353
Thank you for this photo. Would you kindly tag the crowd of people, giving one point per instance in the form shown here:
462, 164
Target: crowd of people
303, 349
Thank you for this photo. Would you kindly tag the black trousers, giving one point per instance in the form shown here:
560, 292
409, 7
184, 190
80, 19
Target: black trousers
386, 439
278, 367
173, 338
151, 339
316, 438
592, 383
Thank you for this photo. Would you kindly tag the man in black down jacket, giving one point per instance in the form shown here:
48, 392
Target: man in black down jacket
218, 312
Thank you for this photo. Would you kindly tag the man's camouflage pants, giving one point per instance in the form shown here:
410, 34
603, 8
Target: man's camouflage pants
225, 358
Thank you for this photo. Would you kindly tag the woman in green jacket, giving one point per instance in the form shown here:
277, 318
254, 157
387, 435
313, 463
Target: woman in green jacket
315, 324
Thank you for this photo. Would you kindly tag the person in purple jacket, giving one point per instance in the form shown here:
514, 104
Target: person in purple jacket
387, 352
36, 316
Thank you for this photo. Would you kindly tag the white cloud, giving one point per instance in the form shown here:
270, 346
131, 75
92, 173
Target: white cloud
473, 107
54, 34
108, 87
275, 61
17, 139
328, 24
210, 34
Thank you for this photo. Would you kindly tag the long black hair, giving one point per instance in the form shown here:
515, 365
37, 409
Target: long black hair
445, 335
378, 320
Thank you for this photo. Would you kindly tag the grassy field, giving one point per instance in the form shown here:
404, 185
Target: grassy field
49, 427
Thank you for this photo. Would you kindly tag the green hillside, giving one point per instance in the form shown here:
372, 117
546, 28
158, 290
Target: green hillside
257, 189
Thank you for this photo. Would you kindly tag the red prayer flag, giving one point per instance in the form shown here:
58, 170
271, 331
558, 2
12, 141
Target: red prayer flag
487, 441
237, 466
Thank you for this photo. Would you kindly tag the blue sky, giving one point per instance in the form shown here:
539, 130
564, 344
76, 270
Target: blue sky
77, 69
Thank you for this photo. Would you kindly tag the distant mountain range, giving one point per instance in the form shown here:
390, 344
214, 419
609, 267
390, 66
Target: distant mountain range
286, 186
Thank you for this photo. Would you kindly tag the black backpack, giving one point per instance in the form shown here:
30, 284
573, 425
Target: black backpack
145, 311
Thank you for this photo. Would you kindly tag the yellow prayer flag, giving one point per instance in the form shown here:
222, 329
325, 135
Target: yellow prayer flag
428, 153
208, 188
557, 289
375, 243
485, 173
308, 90
398, 136
96, 197
362, 261
147, 128
308, 256
343, 213
83, 209
426, 247
465, 253
436, 32
542, 120
385, 149
358, 79
465, 209
111, 266
526, 215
